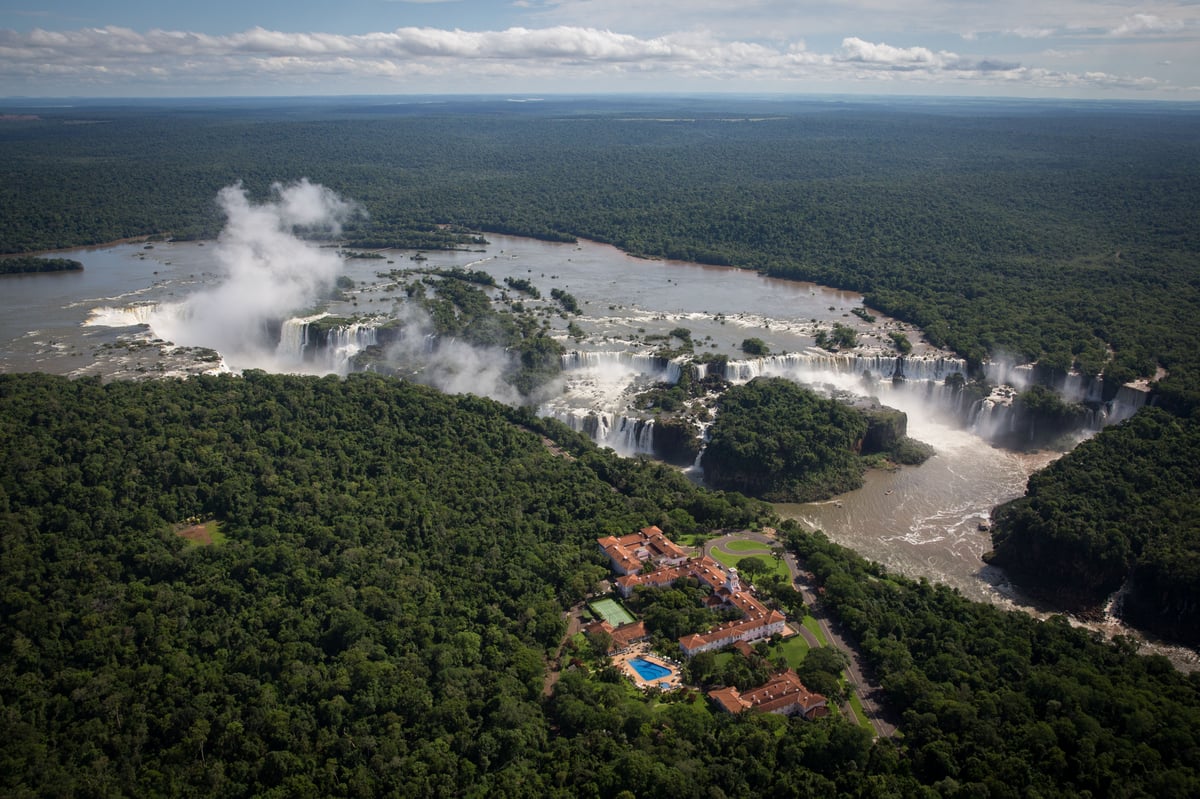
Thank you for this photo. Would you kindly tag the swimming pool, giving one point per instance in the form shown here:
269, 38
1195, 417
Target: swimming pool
649, 671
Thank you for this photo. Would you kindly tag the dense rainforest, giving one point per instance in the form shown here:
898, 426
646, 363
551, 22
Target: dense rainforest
29, 264
779, 441
996, 703
1124, 506
389, 577
1062, 232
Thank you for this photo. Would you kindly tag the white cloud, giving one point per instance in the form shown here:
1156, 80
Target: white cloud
911, 59
518, 58
1173, 21
1032, 33
1055, 53
1146, 23
855, 49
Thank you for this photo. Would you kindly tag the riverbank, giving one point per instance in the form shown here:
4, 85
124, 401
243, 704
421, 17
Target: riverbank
921, 521
87, 247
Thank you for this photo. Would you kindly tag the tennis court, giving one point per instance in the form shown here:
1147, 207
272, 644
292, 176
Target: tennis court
611, 611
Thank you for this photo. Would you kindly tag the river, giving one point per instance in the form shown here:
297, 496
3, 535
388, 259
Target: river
920, 521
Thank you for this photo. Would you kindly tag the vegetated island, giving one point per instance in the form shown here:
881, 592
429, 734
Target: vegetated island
778, 441
1121, 509
31, 264
393, 581
1118, 250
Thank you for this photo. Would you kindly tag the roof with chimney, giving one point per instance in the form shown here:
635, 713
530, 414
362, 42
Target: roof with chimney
630, 553
783, 693
649, 558
620, 637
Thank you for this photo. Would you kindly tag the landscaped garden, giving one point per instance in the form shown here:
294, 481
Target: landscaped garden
733, 554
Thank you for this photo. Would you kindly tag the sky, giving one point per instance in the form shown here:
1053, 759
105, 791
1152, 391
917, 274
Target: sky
1088, 49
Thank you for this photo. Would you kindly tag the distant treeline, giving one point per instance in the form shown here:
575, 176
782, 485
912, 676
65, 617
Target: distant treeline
1033, 231
30, 263
1065, 234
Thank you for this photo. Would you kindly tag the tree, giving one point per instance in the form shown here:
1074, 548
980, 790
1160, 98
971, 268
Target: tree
753, 567
755, 347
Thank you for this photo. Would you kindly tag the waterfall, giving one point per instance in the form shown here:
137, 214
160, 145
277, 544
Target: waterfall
344, 342
1128, 401
299, 348
626, 435
139, 313
1078, 387
293, 339
667, 370
910, 383
899, 381
1019, 376
891, 367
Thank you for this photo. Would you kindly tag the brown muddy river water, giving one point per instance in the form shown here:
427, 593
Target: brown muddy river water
920, 521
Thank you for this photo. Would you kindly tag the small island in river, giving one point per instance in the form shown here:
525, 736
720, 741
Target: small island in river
31, 264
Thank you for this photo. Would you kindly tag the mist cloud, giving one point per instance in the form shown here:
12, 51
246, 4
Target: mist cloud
268, 272
447, 364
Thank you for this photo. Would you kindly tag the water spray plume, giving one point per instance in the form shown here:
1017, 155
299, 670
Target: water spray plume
269, 272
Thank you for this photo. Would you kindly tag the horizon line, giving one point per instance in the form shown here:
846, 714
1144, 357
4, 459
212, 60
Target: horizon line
534, 96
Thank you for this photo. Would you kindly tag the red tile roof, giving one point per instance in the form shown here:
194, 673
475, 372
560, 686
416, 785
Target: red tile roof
728, 699
629, 552
751, 627
783, 693
619, 637
626, 634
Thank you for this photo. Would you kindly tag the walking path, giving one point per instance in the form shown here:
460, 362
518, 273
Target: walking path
869, 693
554, 665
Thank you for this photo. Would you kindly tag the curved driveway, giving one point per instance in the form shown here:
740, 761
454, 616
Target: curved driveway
868, 692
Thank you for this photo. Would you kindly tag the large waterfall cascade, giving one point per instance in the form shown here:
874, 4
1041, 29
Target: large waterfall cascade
896, 380
298, 347
600, 388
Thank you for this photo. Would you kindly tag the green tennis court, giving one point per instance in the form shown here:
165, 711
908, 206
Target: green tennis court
611, 611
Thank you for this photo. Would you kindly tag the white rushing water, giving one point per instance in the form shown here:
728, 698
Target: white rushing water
298, 352
921, 521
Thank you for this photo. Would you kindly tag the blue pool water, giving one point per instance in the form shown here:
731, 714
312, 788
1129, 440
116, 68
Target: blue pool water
649, 671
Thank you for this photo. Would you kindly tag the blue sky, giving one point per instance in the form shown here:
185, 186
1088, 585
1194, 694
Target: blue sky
1025, 48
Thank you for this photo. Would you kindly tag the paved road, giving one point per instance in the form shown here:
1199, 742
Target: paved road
868, 691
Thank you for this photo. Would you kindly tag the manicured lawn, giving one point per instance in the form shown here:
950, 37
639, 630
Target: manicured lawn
692, 539
748, 547
815, 629
794, 649
730, 560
